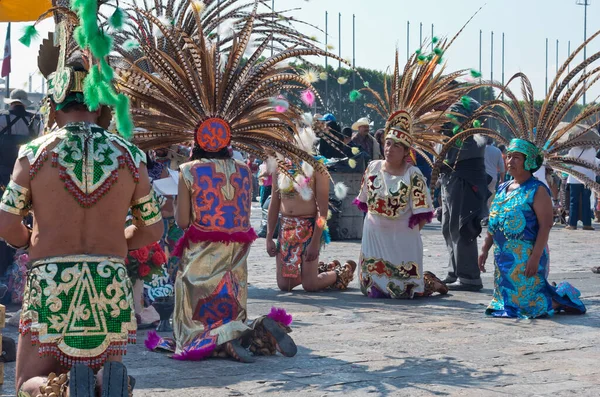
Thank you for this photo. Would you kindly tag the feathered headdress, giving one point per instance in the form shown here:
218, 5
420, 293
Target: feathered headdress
544, 132
415, 99
195, 85
79, 33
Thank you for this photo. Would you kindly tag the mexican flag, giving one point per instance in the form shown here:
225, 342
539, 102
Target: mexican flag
23, 10
6, 58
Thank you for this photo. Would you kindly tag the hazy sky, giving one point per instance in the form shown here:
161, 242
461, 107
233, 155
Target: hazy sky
381, 27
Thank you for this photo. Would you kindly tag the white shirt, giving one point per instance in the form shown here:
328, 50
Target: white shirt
494, 163
586, 154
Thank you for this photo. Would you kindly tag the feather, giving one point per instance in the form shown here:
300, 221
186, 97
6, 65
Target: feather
308, 170
354, 95
341, 190
30, 33
307, 119
307, 97
305, 192
306, 139
271, 165
323, 76
342, 80
311, 75
352, 163
117, 19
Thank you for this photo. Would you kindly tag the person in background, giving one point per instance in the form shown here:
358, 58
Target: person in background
17, 127
580, 195
494, 166
365, 141
379, 134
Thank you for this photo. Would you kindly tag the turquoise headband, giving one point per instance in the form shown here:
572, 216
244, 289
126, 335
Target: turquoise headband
527, 148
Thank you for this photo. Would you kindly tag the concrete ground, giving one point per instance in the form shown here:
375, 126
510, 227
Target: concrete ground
442, 345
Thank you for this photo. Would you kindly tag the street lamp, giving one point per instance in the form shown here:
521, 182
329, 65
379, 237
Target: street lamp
585, 4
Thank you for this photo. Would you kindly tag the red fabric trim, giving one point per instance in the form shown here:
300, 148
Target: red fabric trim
195, 235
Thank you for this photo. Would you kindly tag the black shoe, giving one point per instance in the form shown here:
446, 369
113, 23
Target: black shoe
458, 286
449, 280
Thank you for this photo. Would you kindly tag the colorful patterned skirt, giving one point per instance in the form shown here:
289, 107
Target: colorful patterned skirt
210, 300
79, 308
518, 296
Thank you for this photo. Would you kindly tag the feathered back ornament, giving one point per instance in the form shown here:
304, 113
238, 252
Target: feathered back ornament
193, 84
547, 128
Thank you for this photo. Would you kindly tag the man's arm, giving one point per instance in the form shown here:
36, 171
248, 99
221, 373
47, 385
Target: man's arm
15, 205
274, 206
183, 209
147, 225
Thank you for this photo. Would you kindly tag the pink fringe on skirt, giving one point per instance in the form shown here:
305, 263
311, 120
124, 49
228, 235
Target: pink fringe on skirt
195, 235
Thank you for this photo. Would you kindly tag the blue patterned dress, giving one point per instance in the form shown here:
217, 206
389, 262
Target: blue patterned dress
514, 227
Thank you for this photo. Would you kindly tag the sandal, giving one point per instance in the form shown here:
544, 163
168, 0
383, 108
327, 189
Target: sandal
434, 284
345, 274
115, 382
270, 336
56, 386
236, 351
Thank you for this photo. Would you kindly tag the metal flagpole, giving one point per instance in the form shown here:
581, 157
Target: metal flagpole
407, 38
431, 37
420, 34
326, 68
339, 61
272, 20
546, 66
503, 63
556, 56
585, 4
492, 58
354, 62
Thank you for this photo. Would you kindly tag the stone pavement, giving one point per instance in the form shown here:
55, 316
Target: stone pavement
355, 346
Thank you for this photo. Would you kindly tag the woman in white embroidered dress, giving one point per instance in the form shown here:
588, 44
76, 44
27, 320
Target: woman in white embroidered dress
395, 196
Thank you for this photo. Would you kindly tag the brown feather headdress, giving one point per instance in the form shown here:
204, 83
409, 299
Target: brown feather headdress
192, 84
546, 129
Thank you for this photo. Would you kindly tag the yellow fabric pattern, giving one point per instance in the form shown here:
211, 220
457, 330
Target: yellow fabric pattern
23, 10
146, 210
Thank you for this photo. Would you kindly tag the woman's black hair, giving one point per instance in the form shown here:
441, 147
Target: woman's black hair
199, 153
539, 161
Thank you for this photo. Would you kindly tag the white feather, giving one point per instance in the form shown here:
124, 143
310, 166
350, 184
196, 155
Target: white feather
305, 192
307, 118
306, 139
341, 190
166, 22
225, 29
284, 182
271, 165
480, 139
307, 169
301, 181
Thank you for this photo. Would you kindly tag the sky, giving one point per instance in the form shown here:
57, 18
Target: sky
381, 27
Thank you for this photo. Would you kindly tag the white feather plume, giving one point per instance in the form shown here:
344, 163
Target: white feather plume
307, 169
307, 119
284, 182
305, 192
271, 165
341, 190
306, 139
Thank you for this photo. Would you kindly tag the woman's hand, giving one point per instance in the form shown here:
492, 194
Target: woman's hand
271, 247
482, 259
532, 266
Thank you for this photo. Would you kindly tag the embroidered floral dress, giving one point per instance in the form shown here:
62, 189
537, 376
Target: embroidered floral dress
391, 261
514, 227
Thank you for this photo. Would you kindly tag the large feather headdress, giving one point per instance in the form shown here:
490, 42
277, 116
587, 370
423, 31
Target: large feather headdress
546, 130
415, 99
193, 85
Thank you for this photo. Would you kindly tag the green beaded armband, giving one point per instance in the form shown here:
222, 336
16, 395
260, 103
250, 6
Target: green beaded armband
16, 199
146, 210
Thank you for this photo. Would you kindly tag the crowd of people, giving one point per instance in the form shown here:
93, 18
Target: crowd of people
153, 209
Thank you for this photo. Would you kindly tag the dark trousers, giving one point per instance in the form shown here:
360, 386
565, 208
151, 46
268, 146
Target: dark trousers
462, 244
579, 196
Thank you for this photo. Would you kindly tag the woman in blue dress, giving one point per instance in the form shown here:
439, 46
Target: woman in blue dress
520, 221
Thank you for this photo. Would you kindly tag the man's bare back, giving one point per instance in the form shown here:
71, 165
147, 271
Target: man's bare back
67, 228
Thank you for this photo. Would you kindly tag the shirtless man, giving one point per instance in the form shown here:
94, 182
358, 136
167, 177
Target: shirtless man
301, 237
77, 306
